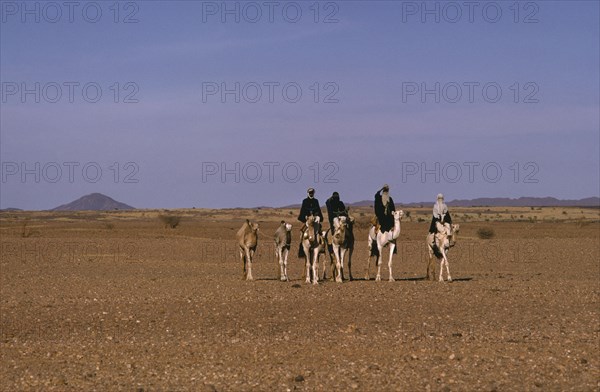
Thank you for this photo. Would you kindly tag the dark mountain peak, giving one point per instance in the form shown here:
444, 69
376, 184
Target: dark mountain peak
93, 202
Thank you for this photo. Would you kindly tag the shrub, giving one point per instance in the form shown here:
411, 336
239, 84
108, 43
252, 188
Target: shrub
171, 221
485, 233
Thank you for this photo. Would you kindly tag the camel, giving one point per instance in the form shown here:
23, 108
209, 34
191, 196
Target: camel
247, 237
313, 244
283, 239
342, 241
382, 240
445, 239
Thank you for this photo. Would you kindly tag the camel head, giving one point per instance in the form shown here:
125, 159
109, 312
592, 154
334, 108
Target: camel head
252, 226
287, 226
350, 222
398, 214
339, 221
310, 230
443, 229
340, 225
454, 229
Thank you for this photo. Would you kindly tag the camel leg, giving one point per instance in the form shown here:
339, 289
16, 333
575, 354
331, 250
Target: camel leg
307, 270
339, 259
432, 260
378, 263
392, 247
306, 257
243, 260
441, 278
431, 268
350, 251
285, 264
342, 253
448, 270
279, 257
307, 266
315, 265
368, 273
430, 265
283, 255
332, 267
249, 254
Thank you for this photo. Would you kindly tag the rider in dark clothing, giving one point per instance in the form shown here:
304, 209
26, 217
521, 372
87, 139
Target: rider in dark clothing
384, 206
310, 206
335, 208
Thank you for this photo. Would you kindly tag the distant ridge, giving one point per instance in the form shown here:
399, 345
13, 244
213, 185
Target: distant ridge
527, 202
93, 202
493, 202
9, 209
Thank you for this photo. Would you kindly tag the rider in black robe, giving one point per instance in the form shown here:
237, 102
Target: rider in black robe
310, 206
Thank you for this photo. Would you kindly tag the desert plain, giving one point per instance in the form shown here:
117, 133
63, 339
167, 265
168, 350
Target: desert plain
121, 300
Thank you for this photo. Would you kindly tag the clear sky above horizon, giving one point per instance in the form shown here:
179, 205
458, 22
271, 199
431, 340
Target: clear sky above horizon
238, 104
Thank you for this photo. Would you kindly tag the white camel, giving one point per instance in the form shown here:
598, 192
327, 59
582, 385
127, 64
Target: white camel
247, 237
342, 241
283, 239
445, 238
383, 239
313, 244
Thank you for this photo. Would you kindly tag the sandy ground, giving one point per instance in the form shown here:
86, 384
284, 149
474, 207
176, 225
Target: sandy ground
116, 301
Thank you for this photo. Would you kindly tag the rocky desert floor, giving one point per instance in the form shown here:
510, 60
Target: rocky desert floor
120, 301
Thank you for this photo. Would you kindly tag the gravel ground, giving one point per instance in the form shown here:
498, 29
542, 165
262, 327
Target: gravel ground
129, 305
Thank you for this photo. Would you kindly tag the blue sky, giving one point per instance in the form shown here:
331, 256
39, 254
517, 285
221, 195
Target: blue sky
365, 127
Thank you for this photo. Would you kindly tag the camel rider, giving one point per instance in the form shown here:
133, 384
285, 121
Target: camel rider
440, 214
310, 206
384, 206
335, 208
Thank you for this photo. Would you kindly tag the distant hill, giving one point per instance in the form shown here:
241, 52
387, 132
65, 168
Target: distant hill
9, 209
93, 202
501, 202
526, 202
293, 206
